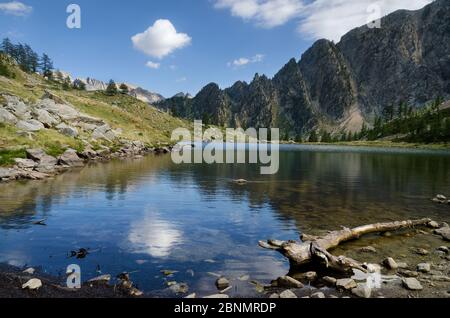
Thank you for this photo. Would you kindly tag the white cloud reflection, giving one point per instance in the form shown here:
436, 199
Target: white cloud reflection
154, 236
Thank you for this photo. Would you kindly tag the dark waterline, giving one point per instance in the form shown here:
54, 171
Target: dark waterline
147, 215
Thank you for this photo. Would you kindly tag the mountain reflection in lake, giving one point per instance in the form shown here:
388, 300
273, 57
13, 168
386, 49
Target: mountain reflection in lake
148, 215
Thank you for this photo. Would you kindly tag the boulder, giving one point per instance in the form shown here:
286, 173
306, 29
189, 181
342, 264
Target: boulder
444, 232
390, 263
45, 118
345, 284
288, 294
179, 288
424, 267
32, 284
433, 224
104, 132
25, 163
65, 112
70, 158
306, 277
7, 173
330, 281
288, 282
318, 295
7, 118
45, 162
222, 283
30, 125
17, 107
412, 284
362, 291
408, 273
67, 130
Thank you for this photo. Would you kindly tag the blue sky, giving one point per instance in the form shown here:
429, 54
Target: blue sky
218, 41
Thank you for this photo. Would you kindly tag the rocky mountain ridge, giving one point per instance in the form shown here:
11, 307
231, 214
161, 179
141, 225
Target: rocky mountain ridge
339, 86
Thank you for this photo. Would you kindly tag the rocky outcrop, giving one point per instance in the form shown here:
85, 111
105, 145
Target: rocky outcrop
339, 86
145, 95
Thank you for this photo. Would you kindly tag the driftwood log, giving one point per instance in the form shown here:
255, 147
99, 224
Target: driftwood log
315, 249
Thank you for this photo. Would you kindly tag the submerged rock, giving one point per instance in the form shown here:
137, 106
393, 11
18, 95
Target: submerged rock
412, 284
444, 232
222, 283
368, 249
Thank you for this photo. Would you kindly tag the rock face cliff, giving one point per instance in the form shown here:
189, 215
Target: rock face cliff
340, 86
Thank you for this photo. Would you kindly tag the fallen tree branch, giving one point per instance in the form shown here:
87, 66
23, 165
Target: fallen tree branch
315, 249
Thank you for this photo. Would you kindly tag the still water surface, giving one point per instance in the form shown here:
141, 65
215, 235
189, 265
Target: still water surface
146, 215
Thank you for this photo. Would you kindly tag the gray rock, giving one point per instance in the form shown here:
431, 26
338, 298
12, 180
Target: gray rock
362, 291
17, 107
222, 283
412, 284
444, 249
179, 288
45, 118
444, 232
402, 265
422, 251
65, 112
288, 282
441, 197
25, 163
318, 295
390, 263
7, 173
331, 281
346, 284
274, 295
71, 159
67, 130
104, 132
30, 125
408, 273
288, 294
433, 224
424, 267
217, 296
368, 249
306, 277
7, 118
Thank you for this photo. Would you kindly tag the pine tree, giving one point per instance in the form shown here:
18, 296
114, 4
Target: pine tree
7, 47
111, 90
313, 137
47, 66
124, 89
66, 83
79, 84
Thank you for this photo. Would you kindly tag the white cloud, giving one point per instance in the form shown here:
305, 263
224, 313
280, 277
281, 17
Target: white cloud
181, 79
160, 40
266, 13
245, 61
331, 19
316, 18
153, 65
15, 8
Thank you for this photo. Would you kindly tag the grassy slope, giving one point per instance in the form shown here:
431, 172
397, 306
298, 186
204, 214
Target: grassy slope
137, 120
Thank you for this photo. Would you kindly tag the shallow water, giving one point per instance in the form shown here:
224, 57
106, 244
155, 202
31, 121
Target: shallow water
146, 215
